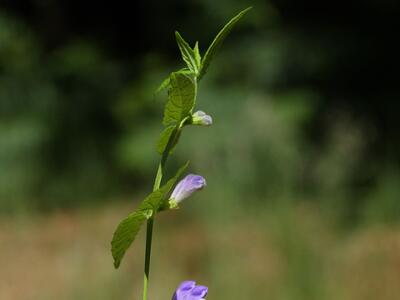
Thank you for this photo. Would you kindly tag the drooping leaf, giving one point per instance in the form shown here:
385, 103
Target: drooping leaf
125, 234
188, 54
165, 137
129, 227
181, 98
218, 40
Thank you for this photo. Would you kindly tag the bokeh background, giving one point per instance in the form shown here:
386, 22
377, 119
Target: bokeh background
302, 161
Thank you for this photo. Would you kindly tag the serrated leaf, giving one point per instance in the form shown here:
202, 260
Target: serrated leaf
125, 234
165, 137
188, 54
129, 227
218, 40
181, 98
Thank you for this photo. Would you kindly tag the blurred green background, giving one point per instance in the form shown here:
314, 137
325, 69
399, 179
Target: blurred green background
302, 161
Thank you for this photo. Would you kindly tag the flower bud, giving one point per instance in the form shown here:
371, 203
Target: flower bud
185, 188
188, 290
201, 118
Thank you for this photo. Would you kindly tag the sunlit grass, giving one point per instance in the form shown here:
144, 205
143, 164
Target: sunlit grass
275, 255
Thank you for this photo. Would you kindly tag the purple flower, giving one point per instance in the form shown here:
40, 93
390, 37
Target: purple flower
188, 290
201, 118
186, 187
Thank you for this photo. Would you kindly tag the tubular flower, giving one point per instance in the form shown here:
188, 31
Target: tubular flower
186, 187
188, 290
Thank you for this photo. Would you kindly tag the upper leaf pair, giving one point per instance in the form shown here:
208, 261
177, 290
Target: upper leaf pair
218, 40
190, 56
195, 64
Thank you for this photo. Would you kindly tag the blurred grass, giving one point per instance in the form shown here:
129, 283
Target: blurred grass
263, 255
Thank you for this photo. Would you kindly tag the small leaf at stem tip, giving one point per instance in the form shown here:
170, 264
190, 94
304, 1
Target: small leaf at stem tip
188, 54
197, 55
218, 40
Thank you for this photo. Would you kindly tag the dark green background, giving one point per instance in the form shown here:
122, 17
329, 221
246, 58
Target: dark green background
318, 81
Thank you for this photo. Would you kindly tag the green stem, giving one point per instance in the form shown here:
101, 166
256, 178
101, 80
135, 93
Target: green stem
149, 234
150, 222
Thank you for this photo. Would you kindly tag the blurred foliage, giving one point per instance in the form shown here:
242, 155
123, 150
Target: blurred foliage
303, 111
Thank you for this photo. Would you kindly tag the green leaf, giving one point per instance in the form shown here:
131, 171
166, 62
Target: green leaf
181, 98
166, 82
165, 137
188, 54
218, 40
155, 202
197, 55
163, 85
125, 235
129, 227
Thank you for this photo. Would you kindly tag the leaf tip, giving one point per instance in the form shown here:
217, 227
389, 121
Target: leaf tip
117, 261
116, 264
178, 35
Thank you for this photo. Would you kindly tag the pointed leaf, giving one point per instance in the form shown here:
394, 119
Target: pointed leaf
187, 53
218, 40
129, 227
181, 98
197, 55
165, 84
125, 235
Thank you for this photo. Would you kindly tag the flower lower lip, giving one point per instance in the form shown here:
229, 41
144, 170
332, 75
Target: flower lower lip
188, 290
